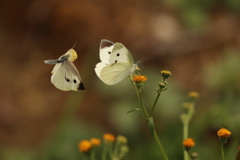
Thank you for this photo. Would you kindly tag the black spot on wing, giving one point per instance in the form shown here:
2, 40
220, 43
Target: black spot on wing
109, 52
118, 54
115, 61
81, 86
74, 81
68, 80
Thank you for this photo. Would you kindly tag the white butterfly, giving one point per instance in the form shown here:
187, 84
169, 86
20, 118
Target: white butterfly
116, 62
65, 75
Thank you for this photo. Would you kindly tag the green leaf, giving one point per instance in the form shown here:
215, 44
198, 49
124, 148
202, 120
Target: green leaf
165, 89
151, 125
136, 109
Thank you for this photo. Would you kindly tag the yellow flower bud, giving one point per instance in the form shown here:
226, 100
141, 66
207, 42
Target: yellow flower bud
165, 74
193, 94
122, 139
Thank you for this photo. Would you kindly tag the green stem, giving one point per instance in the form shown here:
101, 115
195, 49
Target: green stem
142, 105
104, 153
134, 86
116, 149
155, 136
185, 131
110, 150
188, 154
92, 155
222, 152
185, 153
156, 100
185, 136
185, 122
160, 145
140, 99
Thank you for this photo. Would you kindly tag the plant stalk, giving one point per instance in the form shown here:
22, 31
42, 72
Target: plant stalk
155, 136
222, 151
156, 100
185, 136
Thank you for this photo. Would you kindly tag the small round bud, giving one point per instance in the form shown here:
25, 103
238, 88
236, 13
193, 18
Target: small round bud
162, 84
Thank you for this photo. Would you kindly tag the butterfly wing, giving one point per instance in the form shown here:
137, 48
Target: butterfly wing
74, 77
99, 68
105, 51
114, 73
66, 77
117, 62
120, 54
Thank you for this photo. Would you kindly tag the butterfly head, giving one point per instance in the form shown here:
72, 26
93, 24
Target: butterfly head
71, 55
135, 68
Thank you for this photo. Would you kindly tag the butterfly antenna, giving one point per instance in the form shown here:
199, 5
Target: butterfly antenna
142, 60
74, 45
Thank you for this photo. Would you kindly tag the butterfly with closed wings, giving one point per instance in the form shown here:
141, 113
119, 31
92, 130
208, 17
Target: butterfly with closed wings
116, 62
65, 75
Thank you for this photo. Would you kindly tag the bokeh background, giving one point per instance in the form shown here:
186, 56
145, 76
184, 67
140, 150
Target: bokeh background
198, 41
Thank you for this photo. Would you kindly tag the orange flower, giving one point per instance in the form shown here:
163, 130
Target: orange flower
139, 78
109, 137
95, 141
188, 143
223, 132
84, 146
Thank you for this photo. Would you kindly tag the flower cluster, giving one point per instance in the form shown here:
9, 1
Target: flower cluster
165, 75
86, 145
111, 143
139, 80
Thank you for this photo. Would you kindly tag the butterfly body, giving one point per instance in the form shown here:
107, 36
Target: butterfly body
116, 62
65, 75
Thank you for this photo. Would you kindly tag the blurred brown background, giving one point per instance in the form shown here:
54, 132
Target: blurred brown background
198, 41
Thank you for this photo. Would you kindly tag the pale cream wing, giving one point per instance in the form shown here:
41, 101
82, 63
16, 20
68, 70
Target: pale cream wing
66, 77
112, 74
